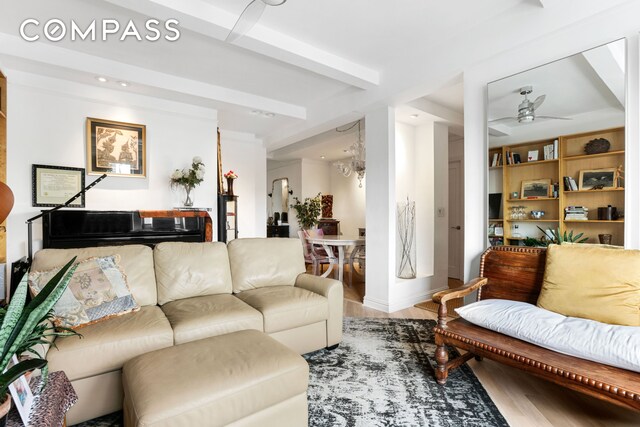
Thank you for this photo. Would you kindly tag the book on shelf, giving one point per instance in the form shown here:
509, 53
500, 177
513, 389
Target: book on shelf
494, 162
569, 184
576, 213
516, 158
550, 152
555, 148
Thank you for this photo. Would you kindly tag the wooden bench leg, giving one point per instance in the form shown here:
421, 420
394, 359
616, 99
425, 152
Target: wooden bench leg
442, 357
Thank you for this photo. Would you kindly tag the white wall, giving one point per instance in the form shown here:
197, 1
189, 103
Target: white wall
620, 22
47, 125
315, 177
349, 201
247, 158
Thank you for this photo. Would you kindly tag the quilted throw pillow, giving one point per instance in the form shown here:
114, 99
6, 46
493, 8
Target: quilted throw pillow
97, 291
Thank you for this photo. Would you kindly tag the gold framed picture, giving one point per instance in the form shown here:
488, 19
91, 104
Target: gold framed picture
116, 148
535, 189
598, 179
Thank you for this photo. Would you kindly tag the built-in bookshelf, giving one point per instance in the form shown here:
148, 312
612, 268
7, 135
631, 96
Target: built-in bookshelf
3, 158
566, 158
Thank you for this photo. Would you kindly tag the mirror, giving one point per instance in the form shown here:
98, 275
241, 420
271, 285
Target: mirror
280, 197
540, 123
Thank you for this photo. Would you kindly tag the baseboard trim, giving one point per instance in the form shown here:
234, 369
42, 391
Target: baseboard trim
412, 300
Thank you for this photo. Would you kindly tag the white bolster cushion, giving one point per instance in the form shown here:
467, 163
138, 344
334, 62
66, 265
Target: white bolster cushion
613, 345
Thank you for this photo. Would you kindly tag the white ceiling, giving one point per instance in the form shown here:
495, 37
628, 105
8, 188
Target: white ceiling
314, 64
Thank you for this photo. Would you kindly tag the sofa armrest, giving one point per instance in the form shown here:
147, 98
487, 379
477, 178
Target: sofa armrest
332, 290
442, 297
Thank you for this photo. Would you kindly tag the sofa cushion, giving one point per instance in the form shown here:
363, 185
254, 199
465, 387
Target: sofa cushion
96, 292
105, 346
613, 345
135, 260
185, 270
594, 283
257, 263
202, 317
286, 307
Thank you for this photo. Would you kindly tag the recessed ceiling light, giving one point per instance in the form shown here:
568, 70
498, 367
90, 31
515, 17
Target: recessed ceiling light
322, 157
123, 84
255, 112
414, 116
269, 115
102, 79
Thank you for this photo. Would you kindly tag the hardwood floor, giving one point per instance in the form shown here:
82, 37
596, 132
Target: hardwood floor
524, 400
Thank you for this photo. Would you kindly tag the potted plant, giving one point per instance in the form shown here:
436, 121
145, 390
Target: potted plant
189, 178
308, 211
24, 326
552, 236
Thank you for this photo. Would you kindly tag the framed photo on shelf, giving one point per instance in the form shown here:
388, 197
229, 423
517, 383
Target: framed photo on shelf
53, 185
116, 148
598, 179
21, 394
535, 189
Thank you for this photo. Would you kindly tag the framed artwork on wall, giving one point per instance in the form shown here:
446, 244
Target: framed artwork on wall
116, 148
53, 185
535, 189
598, 179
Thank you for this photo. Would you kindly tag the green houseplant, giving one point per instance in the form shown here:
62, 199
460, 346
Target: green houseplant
552, 236
307, 212
24, 326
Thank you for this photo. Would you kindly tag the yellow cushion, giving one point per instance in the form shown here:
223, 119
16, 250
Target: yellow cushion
592, 282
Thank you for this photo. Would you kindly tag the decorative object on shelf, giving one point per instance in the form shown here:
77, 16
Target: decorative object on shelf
116, 148
532, 156
536, 189
620, 175
597, 179
6, 201
515, 195
53, 185
270, 221
608, 213
276, 218
553, 236
307, 212
230, 177
189, 179
357, 150
517, 213
597, 146
27, 325
406, 246
327, 206
537, 214
605, 239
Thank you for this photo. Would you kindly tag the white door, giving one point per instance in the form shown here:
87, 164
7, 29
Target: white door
456, 216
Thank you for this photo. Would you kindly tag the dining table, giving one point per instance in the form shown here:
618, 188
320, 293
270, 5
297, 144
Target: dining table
339, 242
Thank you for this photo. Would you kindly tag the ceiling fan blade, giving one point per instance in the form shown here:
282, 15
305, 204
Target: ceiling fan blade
553, 117
248, 18
504, 119
539, 100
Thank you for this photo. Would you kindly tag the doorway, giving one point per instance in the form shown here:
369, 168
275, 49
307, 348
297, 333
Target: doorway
456, 219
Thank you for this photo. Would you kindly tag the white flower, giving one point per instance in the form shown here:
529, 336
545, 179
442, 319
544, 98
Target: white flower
199, 174
185, 172
197, 159
177, 174
201, 168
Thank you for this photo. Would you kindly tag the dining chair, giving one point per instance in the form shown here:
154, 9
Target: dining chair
314, 255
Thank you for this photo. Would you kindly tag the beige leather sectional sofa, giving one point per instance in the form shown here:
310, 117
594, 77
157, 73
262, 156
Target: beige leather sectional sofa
190, 291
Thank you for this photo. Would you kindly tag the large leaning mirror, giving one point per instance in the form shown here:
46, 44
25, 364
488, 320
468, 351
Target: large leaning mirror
280, 196
557, 150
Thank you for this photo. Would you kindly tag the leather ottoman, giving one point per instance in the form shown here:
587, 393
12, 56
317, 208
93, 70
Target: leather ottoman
245, 378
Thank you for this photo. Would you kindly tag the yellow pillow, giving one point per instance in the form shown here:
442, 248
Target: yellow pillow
592, 282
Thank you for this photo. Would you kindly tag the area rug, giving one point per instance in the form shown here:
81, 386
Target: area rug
382, 375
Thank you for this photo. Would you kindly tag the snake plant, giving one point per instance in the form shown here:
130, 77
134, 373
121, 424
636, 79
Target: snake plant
554, 236
24, 326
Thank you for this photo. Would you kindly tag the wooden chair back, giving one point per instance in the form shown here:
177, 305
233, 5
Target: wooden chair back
514, 272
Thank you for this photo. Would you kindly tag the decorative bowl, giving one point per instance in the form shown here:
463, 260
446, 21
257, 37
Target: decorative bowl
537, 214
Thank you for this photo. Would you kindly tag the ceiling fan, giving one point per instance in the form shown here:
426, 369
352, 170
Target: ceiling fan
527, 109
249, 16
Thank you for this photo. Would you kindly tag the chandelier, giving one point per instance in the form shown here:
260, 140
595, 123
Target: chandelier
357, 151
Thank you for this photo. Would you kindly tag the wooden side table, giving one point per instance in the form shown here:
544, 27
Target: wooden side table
51, 405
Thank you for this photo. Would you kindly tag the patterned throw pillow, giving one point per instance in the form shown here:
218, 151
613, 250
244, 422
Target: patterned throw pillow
97, 291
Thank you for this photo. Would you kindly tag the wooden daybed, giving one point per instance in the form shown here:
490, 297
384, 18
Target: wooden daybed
516, 273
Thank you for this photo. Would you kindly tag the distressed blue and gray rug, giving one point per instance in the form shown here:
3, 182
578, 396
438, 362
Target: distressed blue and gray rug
382, 375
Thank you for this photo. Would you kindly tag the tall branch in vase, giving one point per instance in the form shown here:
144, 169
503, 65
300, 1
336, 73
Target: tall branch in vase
406, 247
220, 184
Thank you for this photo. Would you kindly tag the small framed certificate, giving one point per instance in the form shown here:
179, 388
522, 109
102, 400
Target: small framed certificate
54, 185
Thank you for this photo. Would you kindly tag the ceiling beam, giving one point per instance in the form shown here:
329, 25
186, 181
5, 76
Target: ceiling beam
97, 66
608, 64
204, 18
438, 110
